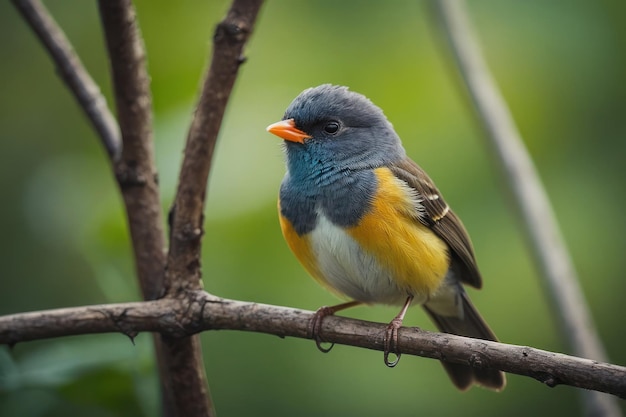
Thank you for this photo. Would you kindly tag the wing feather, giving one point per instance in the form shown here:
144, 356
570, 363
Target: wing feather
441, 219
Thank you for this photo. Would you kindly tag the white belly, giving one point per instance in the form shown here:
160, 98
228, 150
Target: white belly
350, 270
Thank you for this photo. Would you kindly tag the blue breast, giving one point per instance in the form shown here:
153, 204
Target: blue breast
344, 196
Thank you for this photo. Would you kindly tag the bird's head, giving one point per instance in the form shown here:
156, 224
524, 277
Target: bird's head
332, 128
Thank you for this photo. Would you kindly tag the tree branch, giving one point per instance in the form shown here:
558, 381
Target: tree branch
186, 216
73, 73
136, 170
137, 178
183, 261
544, 236
202, 311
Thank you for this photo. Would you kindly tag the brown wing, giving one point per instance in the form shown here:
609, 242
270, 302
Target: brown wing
438, 216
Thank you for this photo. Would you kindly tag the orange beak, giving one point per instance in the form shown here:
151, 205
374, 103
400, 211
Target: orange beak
287, 130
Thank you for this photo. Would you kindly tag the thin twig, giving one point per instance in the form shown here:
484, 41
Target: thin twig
540, 225
73, 73
201, 311
186, 217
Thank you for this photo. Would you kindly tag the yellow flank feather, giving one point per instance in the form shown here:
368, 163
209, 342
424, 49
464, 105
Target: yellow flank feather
417, 259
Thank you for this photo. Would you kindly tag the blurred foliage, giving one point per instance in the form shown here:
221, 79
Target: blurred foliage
64, 240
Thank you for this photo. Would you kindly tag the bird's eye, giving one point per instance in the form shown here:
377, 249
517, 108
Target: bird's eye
331, 127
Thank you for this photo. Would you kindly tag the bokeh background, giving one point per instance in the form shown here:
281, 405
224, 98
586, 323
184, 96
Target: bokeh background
562, 68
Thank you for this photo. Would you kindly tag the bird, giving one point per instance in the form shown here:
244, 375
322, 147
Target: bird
369, 224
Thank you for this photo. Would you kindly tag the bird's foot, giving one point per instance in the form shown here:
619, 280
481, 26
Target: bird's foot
391, 342
315, 327
391, 335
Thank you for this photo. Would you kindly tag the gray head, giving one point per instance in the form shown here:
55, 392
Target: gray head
332, 127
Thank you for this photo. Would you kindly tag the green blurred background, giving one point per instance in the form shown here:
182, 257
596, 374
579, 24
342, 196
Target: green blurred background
562, 68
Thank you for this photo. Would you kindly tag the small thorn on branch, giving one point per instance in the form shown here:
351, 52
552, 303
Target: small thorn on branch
548, 379
131, 336
231, 32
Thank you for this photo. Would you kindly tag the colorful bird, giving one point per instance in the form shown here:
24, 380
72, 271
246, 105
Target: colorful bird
369, 224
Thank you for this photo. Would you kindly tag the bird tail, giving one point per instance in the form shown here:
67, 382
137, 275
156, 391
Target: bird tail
471, 325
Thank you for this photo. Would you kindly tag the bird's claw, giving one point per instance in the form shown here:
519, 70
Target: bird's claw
391, 342
316, 326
